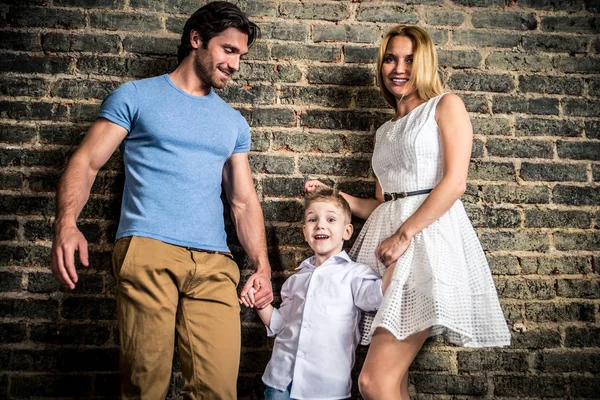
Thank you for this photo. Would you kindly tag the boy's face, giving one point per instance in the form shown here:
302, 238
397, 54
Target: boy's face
325, 229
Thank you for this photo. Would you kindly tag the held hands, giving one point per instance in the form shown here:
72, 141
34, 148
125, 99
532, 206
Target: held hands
66, 242
248, 298
391, 249
312, 185
257, 291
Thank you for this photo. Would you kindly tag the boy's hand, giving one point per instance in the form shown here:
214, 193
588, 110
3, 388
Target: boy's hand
312, 185
248, 298
263, 290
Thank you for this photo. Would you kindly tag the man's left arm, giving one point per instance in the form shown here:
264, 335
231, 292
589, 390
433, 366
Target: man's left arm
249, 225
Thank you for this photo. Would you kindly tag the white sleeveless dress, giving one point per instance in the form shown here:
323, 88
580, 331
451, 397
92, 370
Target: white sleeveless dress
443, 280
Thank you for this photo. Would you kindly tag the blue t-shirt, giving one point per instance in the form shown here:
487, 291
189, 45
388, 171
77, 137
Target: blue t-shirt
174, 155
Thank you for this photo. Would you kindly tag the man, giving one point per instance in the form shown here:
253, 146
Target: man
180, 144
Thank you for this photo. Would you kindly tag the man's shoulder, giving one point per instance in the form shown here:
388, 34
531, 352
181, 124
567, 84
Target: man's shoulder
134, 87
148, 83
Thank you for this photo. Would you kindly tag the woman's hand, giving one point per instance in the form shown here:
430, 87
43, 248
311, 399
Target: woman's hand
312, 185
391, 249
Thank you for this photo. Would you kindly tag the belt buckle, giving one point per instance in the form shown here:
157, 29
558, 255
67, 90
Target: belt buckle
396, 196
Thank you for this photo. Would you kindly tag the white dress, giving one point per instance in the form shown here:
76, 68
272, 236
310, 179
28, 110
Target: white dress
443, 280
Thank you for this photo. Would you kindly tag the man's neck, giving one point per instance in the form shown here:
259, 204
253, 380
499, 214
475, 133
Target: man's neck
186, 79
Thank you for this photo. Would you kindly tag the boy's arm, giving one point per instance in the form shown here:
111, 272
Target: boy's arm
367, 289
280, 317
265, 314
386, 279
273, 318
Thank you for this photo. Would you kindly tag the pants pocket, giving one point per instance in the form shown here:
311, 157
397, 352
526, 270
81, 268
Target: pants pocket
232, 270
122, 255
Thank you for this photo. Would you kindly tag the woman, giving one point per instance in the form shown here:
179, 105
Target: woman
441, 283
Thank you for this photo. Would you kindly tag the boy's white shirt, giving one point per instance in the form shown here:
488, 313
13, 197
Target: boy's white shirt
317, 327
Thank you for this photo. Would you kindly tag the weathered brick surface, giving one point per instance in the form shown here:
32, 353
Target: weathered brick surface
553, 172
516, 194
441, 17
576, 195
582, 337
559, 43
527, 71
548, 127
481, 82
551, 85
504, 20
486, 39
526, 289
519, 148
469, 361
520, 386
519, 61
570, 24
554, 265
570, 64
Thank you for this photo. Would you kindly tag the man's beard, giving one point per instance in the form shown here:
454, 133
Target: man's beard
205, 71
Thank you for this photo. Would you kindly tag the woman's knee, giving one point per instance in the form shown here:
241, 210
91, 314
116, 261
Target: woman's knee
365, 385
372, 386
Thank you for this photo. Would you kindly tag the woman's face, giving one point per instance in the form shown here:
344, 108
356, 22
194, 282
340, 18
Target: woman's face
397, 66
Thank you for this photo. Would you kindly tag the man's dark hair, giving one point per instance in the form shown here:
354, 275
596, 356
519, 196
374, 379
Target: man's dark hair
212, 19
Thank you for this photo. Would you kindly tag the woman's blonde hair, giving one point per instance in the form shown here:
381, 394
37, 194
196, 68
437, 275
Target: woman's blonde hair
424, 76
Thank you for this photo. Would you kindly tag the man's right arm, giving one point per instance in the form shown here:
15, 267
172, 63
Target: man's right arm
100, 142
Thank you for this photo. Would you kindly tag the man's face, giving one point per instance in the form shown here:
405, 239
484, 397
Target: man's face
217, 63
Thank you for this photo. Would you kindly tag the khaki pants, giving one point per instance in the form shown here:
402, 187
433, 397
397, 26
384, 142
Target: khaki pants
162, 288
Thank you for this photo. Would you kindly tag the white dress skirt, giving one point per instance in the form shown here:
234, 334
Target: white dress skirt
443, 280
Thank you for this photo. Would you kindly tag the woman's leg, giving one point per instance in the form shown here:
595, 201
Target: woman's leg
385, 370
404, 387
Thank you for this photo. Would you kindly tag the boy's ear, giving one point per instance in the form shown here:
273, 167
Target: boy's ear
348, 232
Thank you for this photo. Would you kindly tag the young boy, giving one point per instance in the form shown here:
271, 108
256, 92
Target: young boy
316, 326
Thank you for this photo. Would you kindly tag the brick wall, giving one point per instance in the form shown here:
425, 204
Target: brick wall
528, 71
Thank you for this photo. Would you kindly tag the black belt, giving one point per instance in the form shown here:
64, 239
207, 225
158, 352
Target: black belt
402, 195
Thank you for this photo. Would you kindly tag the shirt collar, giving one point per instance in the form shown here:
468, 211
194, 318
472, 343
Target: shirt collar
309, 262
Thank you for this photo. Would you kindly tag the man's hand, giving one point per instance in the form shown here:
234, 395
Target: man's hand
66, 242
259, 284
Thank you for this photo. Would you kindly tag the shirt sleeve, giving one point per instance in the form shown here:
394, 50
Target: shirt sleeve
366, 289
281, 315
121, 106
244, 139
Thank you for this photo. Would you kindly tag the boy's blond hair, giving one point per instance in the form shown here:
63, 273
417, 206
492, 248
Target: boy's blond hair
331, 196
